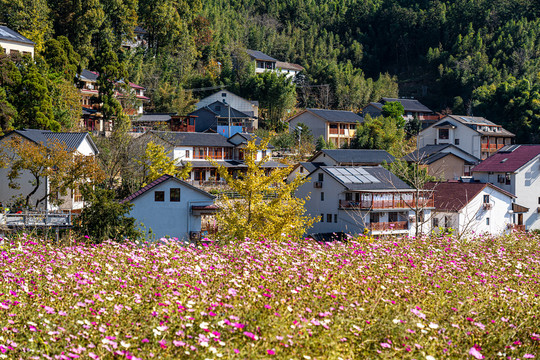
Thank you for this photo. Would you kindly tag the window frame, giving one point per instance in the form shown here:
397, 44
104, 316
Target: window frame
159, 194
175, 199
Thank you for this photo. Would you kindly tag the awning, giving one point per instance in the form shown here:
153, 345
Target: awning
519, 209
204, 210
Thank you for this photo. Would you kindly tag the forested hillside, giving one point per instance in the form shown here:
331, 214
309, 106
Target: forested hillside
467, 56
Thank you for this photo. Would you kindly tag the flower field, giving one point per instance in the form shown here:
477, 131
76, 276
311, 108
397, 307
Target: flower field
395, 298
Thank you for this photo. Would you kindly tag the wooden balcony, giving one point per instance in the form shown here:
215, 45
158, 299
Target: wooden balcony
389, 226
516, 227
394, 203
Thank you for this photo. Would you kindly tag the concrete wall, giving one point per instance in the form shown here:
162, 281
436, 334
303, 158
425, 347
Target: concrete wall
449, 167
173, 219
314, 123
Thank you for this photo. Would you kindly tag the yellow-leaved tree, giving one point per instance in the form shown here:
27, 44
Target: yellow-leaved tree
156, 161
264, 204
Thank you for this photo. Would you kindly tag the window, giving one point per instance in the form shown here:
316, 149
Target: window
507, 180
187, 153
435, 141
393, 217
77, 196
348, 197
218, 108
175, 195
301, 169
456, 141
435, 222
374, 217
329, 218
486, 199
487, 221
322, 196
322, 217
321, 176
159, 196
335, 218
539, 200
223, 94
444, 134
447, 221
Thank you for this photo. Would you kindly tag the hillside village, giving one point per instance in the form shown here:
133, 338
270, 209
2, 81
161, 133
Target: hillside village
450, 172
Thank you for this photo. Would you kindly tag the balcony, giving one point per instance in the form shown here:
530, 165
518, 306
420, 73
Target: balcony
516, 227
395, 203
389, 226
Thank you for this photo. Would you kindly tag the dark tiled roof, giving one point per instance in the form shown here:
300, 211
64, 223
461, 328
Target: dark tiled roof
193, 138
259, 55
7, 34
431, 153
273, 164
473, 120
502, 132
160, 180
311, 166
72, 140
154, 117
288, 66
89, 75
223, 112
250, 137
358, 156
455, 195
444, 124
509, 159
208, 164
385, 179
409, 104
139, 30
337, 116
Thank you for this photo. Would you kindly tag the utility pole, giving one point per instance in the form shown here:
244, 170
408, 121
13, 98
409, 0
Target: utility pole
229, 107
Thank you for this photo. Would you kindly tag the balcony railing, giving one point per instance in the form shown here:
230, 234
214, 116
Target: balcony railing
386, 204
389, 226
517, 227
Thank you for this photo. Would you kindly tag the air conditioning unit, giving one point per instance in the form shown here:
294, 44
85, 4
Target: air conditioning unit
317, 184
195, 235
487, 206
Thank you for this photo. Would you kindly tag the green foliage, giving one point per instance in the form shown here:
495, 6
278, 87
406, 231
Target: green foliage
61, 57
379, 133
104, 218
322, 144
267, 206
156, 162
276, 94
394, 110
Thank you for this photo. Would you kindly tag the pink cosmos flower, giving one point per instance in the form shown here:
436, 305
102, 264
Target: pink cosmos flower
270, 352
474, 351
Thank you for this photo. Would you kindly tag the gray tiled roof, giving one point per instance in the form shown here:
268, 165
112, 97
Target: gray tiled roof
224, 110
409, 104
359, 156
72, 140
337, 115
431, 153
386, 179
193, 138
89, 75
259, 55
7, 34
154, 117
160, 180
476, 120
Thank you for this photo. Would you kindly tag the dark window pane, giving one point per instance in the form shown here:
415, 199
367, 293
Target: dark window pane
175, 195
159, 196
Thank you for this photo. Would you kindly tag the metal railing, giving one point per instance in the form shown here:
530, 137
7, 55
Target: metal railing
36, 219
389, 226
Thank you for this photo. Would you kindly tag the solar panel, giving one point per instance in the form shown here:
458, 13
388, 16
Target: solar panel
6, 34
352, 175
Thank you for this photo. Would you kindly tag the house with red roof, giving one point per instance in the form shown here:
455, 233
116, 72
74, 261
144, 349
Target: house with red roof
471, 208
172, 208
516, 169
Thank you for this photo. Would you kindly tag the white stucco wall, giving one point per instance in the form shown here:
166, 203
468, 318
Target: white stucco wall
235, 101
22, 48
179, 153
172, 219
469, 139
525, 185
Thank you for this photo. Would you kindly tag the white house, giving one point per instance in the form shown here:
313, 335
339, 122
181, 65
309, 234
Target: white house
14, 43
341, 157
197, 148
265, 63
245, 106
516, 169
170, 207
82, 142
336, 126
349, 199
474, 135
471, 208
